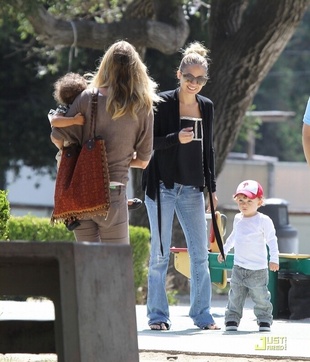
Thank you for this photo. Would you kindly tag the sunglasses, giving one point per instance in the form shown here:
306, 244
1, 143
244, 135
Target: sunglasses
190, 78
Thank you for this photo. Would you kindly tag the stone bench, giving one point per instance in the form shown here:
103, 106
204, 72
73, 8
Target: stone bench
92, 288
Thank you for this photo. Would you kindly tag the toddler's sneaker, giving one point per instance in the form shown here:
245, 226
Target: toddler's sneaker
231, 326
264, 327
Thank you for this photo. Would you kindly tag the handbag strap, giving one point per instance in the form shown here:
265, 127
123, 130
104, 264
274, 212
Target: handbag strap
94, 103
217, 233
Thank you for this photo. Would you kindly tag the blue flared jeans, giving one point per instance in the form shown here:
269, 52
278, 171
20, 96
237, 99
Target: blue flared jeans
189, 205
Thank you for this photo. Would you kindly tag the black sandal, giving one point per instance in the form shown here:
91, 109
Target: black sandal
212, 327
160, 326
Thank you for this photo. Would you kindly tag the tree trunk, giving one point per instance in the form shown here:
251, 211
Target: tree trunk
246, 38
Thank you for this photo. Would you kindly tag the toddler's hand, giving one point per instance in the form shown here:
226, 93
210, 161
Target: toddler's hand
273, 266
79, 119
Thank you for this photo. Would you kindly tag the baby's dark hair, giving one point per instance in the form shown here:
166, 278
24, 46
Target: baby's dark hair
68, 87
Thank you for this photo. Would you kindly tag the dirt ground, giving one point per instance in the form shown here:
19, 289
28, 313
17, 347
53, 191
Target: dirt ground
156, 357
164, 357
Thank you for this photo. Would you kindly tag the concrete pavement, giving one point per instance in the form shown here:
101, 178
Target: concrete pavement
286, 339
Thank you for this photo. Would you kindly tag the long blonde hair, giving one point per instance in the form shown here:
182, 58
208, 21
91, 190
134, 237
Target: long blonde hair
130, 88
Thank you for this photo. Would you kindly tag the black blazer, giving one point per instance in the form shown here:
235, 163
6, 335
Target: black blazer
162, 165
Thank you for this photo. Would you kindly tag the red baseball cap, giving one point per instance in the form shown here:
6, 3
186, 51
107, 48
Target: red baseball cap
250, 188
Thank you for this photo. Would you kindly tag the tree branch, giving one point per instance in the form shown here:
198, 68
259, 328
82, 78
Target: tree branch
140, 32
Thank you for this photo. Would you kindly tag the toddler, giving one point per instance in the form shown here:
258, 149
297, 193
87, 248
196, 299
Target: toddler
252, 233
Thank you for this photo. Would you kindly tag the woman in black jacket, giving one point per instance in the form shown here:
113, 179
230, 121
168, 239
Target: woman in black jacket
181, 167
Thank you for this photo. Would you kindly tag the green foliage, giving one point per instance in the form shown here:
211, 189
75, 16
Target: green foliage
23, 103
29, 71
172, 297
32, 228
250, 127
103, 12
4, 214
139, 240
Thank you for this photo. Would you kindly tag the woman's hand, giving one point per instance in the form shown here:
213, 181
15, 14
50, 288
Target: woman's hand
220, 259
137, 163
186, 135
215, 201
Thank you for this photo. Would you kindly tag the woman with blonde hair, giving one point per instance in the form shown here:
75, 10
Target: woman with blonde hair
181, 167
125, 121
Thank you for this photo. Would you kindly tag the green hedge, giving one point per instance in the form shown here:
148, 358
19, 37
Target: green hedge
4, 214
34, 228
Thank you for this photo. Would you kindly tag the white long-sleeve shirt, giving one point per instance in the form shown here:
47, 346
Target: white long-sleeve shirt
249, 238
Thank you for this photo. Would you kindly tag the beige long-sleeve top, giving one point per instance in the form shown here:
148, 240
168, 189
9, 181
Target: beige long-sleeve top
122, 136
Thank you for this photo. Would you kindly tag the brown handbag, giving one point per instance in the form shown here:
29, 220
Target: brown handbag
82, 187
